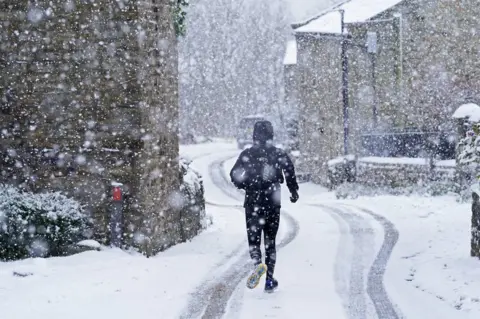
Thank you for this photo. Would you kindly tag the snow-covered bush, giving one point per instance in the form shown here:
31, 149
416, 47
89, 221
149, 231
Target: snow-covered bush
468, 160
39, 225
193, 216
468, 152
179, 16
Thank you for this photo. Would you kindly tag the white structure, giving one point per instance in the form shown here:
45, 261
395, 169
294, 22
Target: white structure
469, 111
291, 53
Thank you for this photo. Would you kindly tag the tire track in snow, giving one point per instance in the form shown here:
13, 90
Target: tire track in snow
342, 264
351, 286
363, 240
375, 286
212, 297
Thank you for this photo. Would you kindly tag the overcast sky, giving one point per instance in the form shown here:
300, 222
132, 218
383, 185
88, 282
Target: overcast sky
304, 9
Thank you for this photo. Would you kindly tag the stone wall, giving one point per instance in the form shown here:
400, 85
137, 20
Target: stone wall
290, 80
84, 103
321, 124
391, 173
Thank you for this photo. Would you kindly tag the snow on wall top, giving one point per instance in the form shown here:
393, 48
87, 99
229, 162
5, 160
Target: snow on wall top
291, 53
355, 11
469, 110
393, 160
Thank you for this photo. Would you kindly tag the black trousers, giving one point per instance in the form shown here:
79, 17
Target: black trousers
263, 220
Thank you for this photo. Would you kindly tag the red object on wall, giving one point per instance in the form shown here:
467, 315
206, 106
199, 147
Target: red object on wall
117, 194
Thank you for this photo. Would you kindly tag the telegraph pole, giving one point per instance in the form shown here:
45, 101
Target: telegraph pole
344, 58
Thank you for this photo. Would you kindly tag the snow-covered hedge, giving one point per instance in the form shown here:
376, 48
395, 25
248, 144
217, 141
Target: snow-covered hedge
193, 219
39, 225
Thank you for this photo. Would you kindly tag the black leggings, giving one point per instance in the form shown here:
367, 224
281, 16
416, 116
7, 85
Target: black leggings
266, 219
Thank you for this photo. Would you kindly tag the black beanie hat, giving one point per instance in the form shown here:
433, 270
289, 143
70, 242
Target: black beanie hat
262, 131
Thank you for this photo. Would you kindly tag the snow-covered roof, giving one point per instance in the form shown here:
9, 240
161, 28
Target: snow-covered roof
291, 53
355, 11
254, 116
470, 111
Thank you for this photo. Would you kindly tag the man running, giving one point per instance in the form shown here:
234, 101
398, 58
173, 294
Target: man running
259, 170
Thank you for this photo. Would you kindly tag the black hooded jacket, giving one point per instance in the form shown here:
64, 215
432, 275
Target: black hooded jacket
260, 169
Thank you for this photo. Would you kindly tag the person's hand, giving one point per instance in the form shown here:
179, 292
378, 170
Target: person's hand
294, 197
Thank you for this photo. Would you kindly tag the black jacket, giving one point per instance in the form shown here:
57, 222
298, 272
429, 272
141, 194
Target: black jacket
260, 170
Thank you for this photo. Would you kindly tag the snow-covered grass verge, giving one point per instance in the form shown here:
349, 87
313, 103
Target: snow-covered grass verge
434, 248
115, 284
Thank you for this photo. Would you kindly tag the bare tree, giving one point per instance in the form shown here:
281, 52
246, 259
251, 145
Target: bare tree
231, 63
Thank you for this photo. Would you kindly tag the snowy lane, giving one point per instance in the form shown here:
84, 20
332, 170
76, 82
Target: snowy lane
213, 297
429, 272
357, 298
218, 177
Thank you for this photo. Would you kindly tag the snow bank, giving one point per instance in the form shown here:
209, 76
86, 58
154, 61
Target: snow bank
432, 257
291, 53
355, 11
430, 268
90, 243
468, 111
393, 160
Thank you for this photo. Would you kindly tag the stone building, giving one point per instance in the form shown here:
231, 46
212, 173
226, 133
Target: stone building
289, 62
84, 103
420, 66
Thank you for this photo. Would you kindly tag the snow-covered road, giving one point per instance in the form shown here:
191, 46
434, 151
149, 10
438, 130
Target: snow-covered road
345, 263
372, 257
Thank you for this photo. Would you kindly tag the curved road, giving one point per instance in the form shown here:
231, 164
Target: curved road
359, 268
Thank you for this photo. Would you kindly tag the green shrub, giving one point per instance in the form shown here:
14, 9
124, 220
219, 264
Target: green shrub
39, 225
